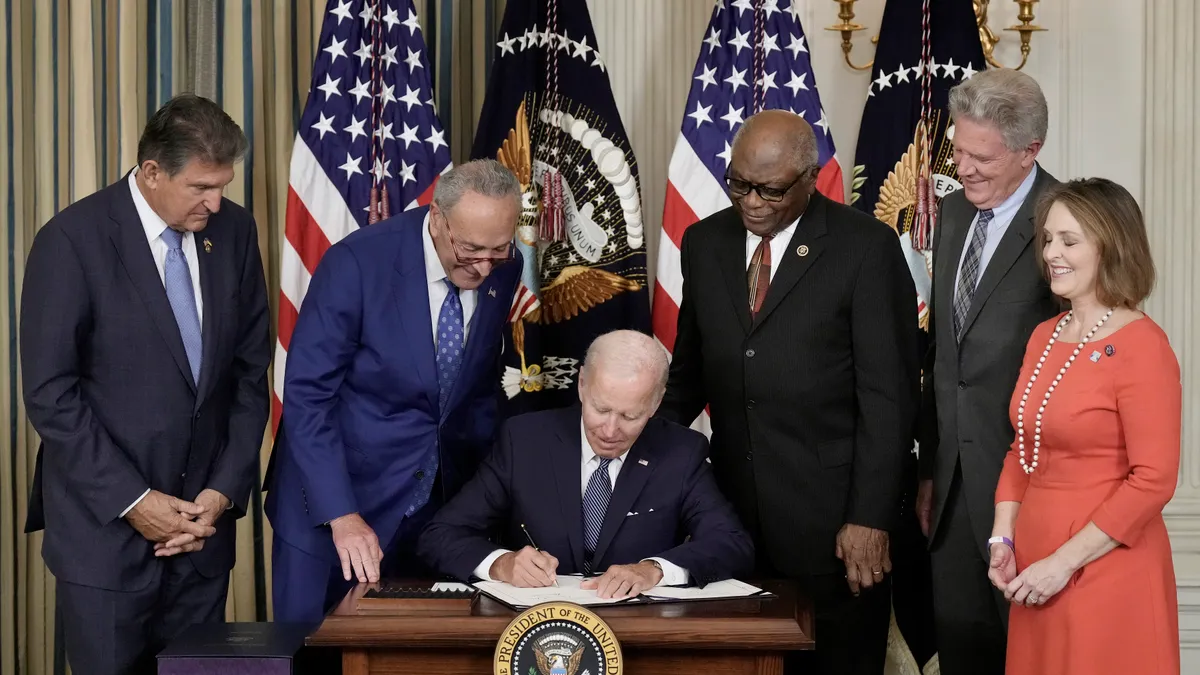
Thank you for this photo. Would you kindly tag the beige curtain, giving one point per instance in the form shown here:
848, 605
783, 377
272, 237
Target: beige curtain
78, 79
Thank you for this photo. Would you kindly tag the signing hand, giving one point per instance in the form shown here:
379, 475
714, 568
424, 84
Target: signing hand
214, 504
160, 517
624, 581
925, 504
527, 568
864, 550
1039, 582
1002, 568
357, 547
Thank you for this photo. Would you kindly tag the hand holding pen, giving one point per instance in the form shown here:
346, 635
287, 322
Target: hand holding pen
551, 560
527, 568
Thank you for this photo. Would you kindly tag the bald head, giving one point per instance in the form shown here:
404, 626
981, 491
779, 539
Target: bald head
623, 380
772, 170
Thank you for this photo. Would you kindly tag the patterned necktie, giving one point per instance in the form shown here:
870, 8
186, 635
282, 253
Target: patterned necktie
758, 275
595, 505
449, 359
968, 279
182, 295
450, 343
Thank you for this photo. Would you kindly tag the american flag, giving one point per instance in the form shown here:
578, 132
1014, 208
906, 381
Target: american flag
754, 57
369, 144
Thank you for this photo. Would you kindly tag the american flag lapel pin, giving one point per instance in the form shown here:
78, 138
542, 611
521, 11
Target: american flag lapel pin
643, 462
207, 245
491, 292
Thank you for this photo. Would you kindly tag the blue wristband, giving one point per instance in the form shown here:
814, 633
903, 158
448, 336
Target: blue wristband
1000, 540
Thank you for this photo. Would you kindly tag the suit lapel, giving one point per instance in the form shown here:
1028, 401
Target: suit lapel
630, 482
803, 250
212, 309
1012, 245
565, 464
129, 237
731, 258
410, 291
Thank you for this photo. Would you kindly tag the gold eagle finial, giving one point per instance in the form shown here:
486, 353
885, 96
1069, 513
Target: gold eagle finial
578, 289
899, 189
514, 152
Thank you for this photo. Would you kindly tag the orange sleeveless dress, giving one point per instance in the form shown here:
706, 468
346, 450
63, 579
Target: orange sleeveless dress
1109, 455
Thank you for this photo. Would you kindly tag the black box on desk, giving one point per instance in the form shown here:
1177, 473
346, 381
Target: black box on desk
235, 649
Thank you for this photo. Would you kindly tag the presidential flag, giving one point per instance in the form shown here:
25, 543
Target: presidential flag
754, 56
550, 117
369, 144
904, 162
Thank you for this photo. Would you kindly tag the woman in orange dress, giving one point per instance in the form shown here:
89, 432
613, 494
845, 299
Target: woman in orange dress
1079, 546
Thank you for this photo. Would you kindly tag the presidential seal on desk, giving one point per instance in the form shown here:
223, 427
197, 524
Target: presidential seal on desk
558, 638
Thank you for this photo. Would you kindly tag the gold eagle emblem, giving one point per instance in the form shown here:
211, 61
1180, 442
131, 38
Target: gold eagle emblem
554, 665
899, 189
576, 290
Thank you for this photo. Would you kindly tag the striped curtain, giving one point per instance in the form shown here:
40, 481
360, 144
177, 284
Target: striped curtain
78, 80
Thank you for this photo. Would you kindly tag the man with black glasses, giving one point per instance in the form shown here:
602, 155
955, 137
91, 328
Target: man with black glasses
797, 330
391, 388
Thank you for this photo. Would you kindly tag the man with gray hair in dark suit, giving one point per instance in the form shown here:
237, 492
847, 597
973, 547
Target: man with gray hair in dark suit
988, 295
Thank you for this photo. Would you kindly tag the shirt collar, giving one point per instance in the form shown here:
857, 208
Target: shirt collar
434, 272
587, 454
1007, 209
151, 222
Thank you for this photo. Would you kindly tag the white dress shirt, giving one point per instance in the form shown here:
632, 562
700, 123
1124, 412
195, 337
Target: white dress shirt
1002, 217
672, 574
436, 275
154, 226
779, 246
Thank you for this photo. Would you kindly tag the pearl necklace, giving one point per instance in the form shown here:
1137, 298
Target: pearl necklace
1037, 427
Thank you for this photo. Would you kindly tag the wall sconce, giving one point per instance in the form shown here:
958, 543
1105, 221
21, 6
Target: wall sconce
987, 38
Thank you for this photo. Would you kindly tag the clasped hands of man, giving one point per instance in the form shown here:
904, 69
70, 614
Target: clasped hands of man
176, 525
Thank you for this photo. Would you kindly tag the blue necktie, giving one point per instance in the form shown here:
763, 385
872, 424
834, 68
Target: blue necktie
178, 281
595, 505
450, 350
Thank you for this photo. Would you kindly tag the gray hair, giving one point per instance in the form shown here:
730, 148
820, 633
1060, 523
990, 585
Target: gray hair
485, 177
803, 146
190, 127
629, 353
1007, 99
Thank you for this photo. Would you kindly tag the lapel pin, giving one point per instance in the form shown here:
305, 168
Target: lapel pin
1108, 349
643, 462
207, 245
492, 292
1095, 357
802, 251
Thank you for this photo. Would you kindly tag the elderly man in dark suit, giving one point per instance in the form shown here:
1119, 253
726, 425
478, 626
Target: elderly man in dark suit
988, 295
144, 350
601, 488
797, 329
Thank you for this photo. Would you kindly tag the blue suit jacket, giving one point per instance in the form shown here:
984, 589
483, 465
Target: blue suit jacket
361, 392
664, 494
108, 386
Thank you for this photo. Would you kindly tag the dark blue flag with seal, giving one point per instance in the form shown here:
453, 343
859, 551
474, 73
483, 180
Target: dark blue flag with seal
549, 116
903, 167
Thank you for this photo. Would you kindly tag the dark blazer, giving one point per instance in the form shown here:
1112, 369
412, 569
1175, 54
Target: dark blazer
108, 387
967, 386
360, 403
665, 503
812, 404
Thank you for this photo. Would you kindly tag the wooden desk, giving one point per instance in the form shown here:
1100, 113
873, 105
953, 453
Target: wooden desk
725, 637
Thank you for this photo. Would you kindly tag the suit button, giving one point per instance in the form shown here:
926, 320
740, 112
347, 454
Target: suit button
962, 385
749, 353
197, 415
749, 455
750, 404
183, 475
419, 475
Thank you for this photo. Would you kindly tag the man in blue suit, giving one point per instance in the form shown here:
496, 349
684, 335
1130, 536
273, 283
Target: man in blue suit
391, 389
145, 341
601, 489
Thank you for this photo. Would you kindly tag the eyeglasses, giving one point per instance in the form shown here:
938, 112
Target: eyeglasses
742, 188
495, 261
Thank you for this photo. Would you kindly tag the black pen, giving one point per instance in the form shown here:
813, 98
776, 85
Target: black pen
535, 547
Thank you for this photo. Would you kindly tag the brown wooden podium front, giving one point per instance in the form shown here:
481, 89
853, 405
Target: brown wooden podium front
724, 637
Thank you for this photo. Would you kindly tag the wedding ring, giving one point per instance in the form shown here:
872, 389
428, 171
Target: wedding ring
877, 573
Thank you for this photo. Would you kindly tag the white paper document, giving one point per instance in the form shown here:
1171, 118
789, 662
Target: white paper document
568, 590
